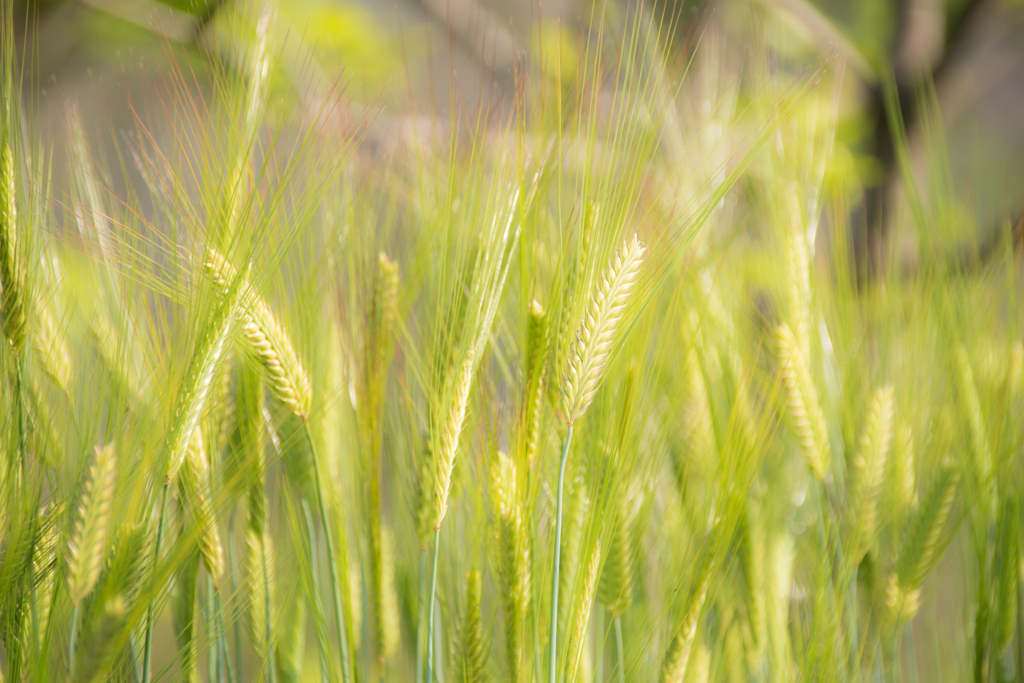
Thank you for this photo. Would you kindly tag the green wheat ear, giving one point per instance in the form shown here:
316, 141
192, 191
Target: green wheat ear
572, 541
450, 439
677, 657
592, 346
12, 304
50, 346
923, 542
383, 316
513, 546
194, 488
99, 641
582, 610
471, 662
88, 539
260, 594
869, 472
267, 340
616, 591
536, 362
802, 403
901, 480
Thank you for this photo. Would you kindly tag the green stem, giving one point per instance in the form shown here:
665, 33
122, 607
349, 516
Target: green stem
147, 652
314, 563
599, 649
20, 391
422, 616
620, 663
558, 558
223, 665
236, 622
331, 560
271, 664
430, 612
73, 641
212, 639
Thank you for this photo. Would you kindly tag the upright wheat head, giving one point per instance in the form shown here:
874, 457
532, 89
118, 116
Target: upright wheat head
590, 350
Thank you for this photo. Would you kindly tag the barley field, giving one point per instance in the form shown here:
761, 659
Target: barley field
581, 382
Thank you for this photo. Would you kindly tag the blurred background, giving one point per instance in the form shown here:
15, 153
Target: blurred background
396, 64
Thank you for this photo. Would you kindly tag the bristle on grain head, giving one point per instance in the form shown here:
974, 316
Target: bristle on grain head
592, 346
88, 538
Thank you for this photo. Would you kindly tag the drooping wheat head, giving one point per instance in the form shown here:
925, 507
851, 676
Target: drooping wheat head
590, 349
267, 340
87, 541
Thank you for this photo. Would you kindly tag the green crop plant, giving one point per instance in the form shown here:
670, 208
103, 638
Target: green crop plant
579, 387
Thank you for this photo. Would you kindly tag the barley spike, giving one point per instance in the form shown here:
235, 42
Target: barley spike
450, 439
88, 539
802, 401
582, 612
590, 349
869, 471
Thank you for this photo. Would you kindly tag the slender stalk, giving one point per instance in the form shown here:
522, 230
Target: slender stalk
620, 663
314, 563
73, 641
271, 663
147, 652
430, 613
133, 652
223, 665
422, 615
19, 397
331, 560
236, 622
558, 558
599, 647
212, 639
